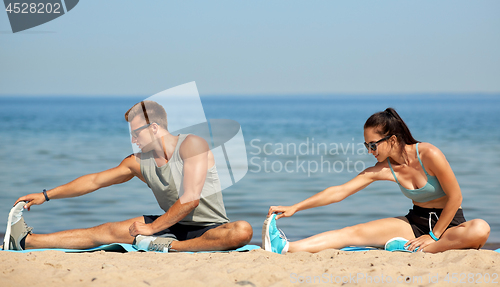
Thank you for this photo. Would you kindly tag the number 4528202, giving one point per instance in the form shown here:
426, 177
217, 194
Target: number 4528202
471, 278
32, 8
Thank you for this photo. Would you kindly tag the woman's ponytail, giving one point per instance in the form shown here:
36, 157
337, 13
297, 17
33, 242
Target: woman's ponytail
388, 123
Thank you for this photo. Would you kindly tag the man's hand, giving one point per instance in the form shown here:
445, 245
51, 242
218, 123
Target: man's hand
139, 228
34, 198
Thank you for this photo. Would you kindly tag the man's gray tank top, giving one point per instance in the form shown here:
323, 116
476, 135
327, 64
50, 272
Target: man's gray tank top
166, 183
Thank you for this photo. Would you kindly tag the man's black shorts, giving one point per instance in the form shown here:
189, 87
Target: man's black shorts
180, 231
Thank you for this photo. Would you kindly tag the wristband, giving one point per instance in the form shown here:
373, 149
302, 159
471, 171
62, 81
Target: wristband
45, 194
433, 236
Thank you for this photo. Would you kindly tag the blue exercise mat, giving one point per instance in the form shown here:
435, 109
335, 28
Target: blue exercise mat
359, 248
122, 247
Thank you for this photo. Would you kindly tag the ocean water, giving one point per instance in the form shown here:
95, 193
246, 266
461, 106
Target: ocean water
296, 147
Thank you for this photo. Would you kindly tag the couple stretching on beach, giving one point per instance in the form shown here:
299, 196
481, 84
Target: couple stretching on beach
181, 172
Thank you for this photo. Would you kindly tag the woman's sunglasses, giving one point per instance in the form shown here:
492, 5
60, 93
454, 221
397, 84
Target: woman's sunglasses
136, 132
373, 145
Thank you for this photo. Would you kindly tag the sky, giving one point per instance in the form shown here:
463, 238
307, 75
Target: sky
123, 47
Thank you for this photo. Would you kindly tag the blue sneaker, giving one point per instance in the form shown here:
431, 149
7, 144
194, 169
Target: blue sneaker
398, 244
273, 239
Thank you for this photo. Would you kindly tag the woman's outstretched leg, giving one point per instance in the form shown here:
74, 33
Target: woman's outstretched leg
373, 233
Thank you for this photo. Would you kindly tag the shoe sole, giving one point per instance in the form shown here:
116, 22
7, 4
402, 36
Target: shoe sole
266, 240
394, 239
7, 238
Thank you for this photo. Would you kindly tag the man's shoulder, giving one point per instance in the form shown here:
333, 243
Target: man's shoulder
132, 160
193, 139
193, 145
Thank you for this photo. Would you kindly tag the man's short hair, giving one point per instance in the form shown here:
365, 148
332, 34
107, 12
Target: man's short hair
151, 111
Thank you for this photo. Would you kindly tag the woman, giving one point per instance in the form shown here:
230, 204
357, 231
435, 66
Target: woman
436, 222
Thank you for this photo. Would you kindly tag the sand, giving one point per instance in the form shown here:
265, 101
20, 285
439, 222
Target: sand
254, 268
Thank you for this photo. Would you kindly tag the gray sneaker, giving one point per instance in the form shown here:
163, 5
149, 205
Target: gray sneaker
152, 243
17, 229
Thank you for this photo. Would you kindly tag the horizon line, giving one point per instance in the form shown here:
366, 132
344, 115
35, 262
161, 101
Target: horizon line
424, 94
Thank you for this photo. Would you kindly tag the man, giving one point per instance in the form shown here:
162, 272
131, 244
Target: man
181, 172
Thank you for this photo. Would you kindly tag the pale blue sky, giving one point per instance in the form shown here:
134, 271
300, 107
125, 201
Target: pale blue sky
118, 47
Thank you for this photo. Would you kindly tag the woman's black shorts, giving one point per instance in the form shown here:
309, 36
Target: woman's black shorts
419, 219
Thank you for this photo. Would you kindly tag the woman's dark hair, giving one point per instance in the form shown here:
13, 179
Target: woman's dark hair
389, 123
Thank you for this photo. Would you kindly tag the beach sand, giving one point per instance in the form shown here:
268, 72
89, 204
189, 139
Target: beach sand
254, 268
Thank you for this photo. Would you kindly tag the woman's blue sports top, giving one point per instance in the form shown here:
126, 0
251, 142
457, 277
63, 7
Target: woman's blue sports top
430, 191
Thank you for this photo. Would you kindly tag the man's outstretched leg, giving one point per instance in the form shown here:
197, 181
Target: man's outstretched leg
21, 237
225, 237
107, 233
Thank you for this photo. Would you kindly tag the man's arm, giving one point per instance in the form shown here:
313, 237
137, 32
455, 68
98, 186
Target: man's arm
127, 169
194, 152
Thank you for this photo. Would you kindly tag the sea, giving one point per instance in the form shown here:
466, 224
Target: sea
296, 146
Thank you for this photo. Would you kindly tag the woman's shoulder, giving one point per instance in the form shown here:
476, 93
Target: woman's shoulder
429, 151
379, 171
432, 158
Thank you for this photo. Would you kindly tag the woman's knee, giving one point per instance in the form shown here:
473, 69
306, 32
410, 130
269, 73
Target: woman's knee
471, 234
479, 230
356, 233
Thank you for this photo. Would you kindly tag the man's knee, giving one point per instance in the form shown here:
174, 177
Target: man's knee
113, 232
243, 232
